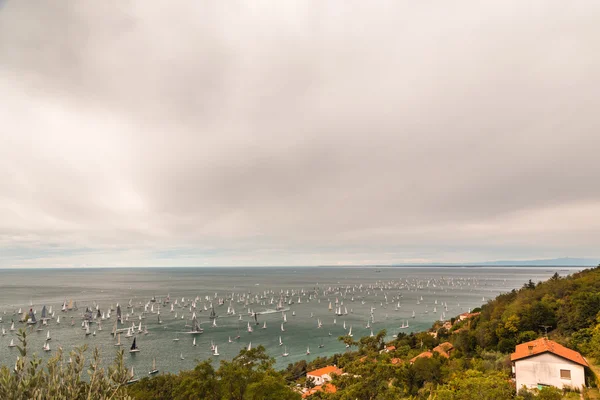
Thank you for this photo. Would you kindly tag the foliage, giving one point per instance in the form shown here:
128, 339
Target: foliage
249, 376
62, 379
477, 385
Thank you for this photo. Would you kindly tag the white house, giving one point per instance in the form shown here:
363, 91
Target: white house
323, 375
543, 362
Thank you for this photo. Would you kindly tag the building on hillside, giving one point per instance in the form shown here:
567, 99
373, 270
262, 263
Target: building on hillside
543, 362
387, 349
323, 375
326, 387
425, 354
467, 315
444, 350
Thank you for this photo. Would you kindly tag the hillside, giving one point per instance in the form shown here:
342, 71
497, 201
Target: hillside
474, 358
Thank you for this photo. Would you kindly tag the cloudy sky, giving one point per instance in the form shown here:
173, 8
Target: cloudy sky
177, 133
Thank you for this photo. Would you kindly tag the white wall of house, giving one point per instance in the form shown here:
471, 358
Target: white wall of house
545, 369
319, 380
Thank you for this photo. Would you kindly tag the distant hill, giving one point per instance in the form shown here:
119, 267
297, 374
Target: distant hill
554, 262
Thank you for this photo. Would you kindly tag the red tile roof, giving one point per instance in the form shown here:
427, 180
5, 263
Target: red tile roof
326, 387
426, 354
328, 370
545, 345
444, 349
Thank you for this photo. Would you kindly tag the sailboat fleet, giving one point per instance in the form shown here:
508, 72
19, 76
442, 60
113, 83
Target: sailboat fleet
338, 308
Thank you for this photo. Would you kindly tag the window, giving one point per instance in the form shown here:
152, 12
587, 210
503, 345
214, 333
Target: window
565, 374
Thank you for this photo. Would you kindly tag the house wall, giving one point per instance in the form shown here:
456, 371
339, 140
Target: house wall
318, 379
545, 369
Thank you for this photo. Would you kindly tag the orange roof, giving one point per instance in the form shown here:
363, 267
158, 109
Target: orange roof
444, 349
446, 346
326, 387
390, 348
396, 361
426, 354
328, 370
469, 315
544, 345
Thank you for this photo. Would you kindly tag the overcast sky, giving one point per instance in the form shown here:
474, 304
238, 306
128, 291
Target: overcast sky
176, 133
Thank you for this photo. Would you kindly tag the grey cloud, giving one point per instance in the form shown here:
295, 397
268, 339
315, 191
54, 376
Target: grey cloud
300, 130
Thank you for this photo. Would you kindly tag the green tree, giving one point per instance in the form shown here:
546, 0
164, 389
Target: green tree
476, 385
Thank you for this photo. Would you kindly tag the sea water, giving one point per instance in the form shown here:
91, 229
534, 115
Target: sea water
461, 288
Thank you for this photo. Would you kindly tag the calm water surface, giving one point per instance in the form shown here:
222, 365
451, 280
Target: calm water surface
370, 295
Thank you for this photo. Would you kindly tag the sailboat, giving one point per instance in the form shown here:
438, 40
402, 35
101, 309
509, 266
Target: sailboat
194, 342
153, 370
176, 338
282, 329
307, 350
87, 330
31, 320
285, 352
12, 343
118, 340
265, 325
249, 346
12, 326
132, 377
250, 330
350, 332
134, 348
280, 342
46, 346
196, 330
58, 319
181, 356
215, 351
48, 336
